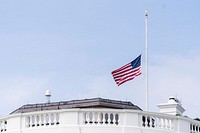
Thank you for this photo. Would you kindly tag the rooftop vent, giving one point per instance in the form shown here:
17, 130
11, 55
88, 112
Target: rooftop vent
48, 95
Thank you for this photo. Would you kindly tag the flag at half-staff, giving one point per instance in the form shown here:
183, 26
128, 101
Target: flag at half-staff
128, 71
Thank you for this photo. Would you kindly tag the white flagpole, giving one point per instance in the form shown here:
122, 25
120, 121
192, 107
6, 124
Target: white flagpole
147, 95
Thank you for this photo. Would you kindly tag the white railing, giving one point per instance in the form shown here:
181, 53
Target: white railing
106, 118
157, 121
85, 118
195, 127
42, 120
3, 125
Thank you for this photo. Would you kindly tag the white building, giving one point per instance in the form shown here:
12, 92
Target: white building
97, 115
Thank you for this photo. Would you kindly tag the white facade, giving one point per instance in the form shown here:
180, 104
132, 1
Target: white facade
97, 121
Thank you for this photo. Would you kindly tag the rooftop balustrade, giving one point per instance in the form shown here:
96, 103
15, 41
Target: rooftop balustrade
90, 120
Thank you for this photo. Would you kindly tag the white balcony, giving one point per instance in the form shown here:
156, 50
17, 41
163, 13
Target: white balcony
98, 121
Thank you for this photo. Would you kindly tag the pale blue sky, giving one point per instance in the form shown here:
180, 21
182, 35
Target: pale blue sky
71, 47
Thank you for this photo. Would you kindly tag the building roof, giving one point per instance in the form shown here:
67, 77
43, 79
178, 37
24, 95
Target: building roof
84, 103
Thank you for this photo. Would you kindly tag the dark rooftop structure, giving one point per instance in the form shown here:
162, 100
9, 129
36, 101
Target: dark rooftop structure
84, 103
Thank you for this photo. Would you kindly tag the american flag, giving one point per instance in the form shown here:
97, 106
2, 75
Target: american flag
128, 71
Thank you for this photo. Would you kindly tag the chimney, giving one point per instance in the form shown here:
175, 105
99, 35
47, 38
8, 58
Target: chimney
173, 107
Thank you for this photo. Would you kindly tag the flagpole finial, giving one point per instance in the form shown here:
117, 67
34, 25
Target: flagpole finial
146, 13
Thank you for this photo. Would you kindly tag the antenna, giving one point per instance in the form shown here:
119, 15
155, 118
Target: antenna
48, 95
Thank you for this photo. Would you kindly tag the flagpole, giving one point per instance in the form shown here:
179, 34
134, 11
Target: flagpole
146, 34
